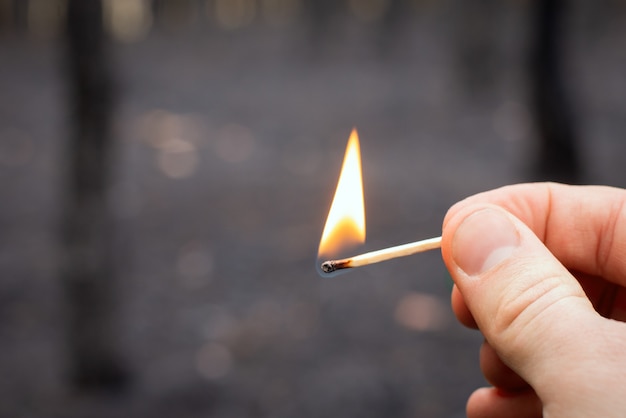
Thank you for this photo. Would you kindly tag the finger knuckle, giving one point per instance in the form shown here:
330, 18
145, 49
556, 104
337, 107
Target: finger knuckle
523, 303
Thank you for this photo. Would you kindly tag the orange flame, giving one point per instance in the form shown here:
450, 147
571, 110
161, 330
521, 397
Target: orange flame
345, 225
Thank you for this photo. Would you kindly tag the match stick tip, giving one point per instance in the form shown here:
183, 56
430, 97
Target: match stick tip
328, 267
332, 266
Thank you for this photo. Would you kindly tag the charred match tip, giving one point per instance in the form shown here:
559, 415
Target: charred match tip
334, 265
328, 267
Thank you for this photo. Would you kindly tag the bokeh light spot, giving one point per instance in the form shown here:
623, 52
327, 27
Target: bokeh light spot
177, 158
128, 20
421, 312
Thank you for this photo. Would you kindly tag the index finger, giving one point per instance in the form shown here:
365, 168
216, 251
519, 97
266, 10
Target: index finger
583, 226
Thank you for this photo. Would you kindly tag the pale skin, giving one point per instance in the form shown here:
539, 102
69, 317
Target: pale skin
540, 270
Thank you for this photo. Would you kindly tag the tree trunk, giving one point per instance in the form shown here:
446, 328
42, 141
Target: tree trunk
558, 158
89, 269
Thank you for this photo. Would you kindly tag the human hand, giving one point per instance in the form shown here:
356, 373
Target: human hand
538, 269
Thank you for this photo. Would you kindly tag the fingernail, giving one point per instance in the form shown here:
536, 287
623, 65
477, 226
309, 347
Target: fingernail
484, 239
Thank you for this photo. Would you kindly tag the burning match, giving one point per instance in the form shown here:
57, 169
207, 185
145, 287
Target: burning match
345, 225
381, 255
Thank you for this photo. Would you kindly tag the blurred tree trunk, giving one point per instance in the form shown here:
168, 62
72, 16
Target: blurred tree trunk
89, 270
558, 158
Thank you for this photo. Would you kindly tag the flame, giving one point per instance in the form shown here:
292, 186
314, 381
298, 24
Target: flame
345, 225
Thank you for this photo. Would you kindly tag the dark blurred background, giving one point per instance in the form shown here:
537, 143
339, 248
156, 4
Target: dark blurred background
166, 167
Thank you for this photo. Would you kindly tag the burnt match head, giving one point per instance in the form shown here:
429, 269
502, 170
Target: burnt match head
328, 267
332, 266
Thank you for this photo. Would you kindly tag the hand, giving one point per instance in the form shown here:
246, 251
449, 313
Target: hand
538, 269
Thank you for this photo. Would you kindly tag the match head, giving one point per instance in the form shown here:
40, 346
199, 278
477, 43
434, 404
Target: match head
332, 266
328, 267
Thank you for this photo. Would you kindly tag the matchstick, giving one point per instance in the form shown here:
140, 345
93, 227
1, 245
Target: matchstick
381, 255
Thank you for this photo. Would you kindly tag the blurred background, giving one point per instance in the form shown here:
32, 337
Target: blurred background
167, 167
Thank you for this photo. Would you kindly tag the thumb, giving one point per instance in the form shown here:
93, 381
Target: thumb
526, 303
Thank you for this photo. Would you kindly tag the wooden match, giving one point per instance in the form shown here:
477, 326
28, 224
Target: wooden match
381, 255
